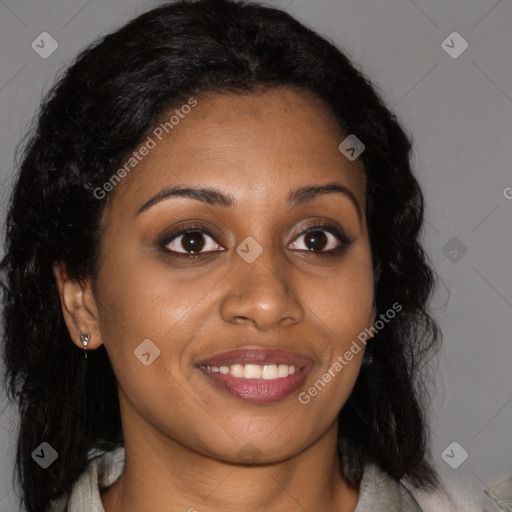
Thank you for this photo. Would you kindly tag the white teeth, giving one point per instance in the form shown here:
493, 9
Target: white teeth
256, 371
283, 370
269, 371
237, 370
252, 371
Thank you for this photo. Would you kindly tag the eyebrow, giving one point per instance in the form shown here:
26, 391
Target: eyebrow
215, 197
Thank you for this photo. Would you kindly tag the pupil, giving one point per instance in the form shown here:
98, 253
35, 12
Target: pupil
195, 241
316, 239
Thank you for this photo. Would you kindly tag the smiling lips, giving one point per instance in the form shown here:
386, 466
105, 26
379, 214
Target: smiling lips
258, 375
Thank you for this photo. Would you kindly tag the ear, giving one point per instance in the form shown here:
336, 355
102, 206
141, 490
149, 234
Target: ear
78, 308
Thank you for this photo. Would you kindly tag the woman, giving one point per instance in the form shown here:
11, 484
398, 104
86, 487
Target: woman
216, 296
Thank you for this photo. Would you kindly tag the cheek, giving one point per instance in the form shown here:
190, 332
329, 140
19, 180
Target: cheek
344, 301
138, 295
140, 299
146, 311
342, 308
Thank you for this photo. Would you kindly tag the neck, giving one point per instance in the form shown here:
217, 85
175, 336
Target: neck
161, 474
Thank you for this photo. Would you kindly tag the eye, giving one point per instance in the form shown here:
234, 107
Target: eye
322, 238
189, 242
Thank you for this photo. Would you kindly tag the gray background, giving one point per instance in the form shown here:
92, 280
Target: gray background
459, 111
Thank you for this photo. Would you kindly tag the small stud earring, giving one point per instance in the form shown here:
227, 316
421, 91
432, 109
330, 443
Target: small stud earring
85, 340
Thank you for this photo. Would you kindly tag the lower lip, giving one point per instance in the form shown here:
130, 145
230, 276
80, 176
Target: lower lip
261, 391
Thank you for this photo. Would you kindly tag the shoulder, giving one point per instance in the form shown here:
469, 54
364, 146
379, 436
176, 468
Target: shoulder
378, 491
102, 471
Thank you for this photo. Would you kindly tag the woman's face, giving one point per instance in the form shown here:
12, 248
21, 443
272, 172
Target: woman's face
258, 285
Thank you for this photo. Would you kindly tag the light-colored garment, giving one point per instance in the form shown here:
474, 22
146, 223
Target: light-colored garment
378, 491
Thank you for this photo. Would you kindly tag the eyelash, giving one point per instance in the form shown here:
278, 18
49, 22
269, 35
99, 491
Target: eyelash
344, 240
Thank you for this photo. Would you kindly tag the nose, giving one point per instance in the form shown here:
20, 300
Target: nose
261, 293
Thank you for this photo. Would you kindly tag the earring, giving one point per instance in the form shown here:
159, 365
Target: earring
85, 340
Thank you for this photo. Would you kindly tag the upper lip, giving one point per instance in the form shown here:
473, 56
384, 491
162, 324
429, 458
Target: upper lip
261, 356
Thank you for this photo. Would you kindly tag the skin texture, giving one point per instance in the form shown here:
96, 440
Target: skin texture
184, 437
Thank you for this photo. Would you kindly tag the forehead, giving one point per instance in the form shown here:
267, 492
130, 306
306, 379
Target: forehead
255, 147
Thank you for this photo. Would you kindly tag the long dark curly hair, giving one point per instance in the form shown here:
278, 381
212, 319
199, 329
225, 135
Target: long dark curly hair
89, 123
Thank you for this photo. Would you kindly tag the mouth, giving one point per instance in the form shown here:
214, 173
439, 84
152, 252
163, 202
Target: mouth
257, 375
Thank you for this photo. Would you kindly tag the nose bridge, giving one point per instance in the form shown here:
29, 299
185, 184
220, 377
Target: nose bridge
260, 288
266, 274
267, 270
